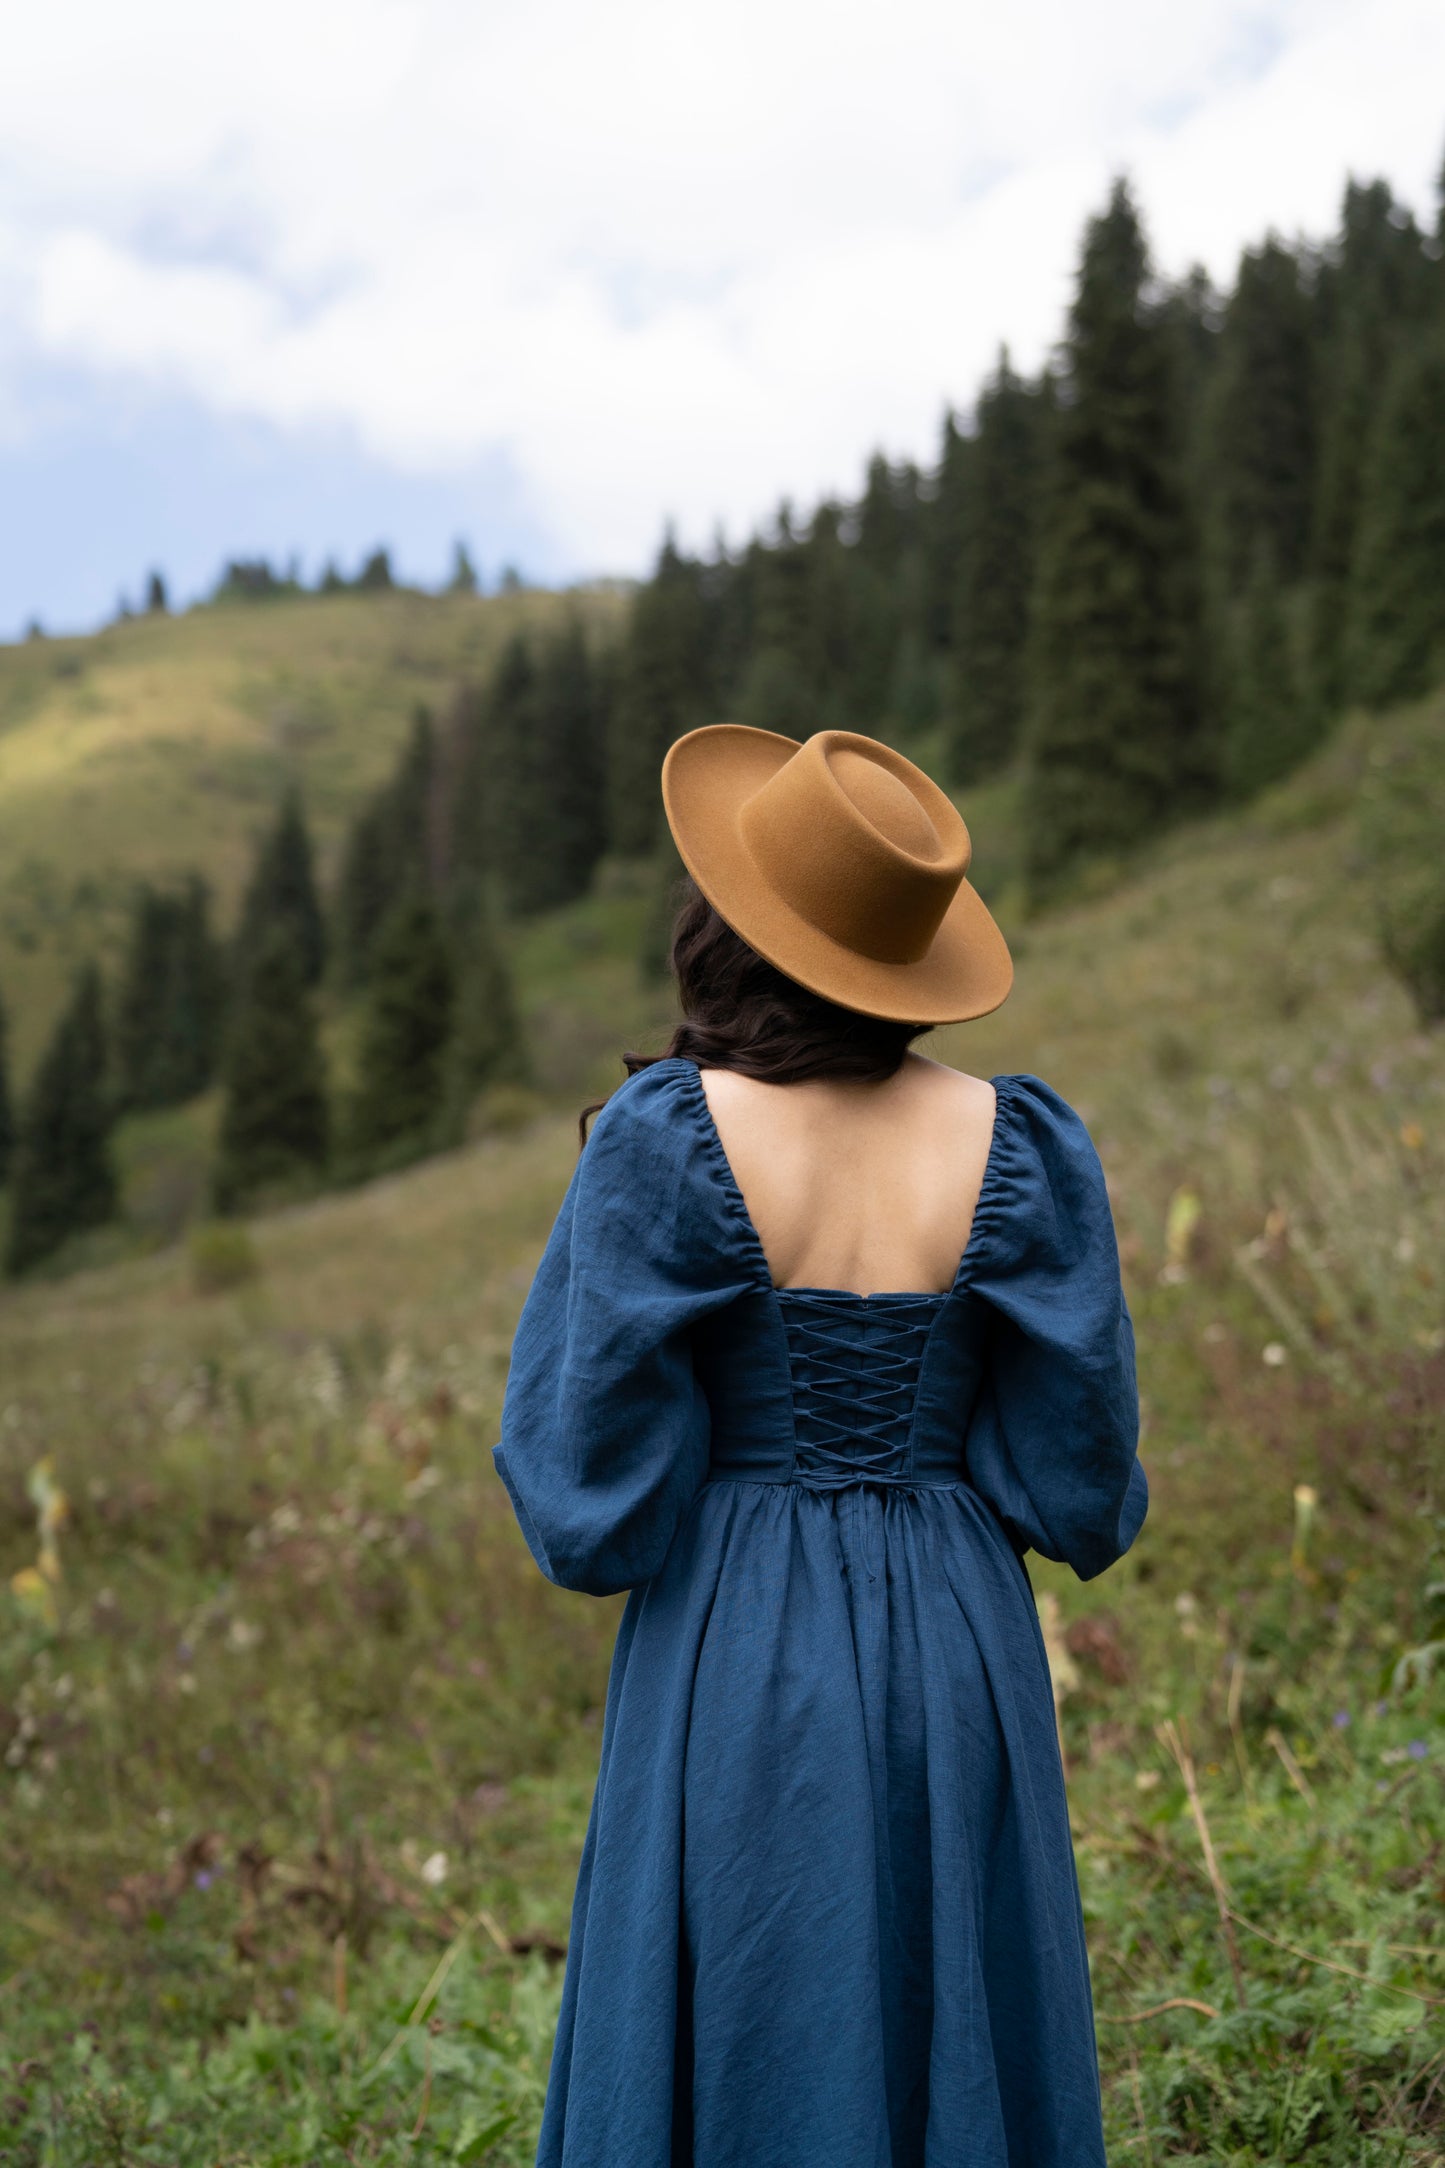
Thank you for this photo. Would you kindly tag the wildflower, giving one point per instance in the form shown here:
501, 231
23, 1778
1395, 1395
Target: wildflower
1274, 1355
433, 1870
1180, 1225
1342, 1718
1306, 1498
1417, 1750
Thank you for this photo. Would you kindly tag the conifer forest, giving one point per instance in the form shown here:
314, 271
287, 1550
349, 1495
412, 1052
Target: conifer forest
300, 995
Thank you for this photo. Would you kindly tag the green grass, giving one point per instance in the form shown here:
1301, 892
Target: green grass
160, 745
307, 1727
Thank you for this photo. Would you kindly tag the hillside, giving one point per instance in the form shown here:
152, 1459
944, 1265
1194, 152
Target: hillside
304, 1761
160, 744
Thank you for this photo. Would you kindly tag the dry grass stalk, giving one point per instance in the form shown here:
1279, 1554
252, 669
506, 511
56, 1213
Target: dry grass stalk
1175, 2002
1172, 1738
1292, 1769
1330, 1964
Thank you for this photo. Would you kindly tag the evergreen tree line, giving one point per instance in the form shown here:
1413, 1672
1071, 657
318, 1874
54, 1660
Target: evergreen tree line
1153, 575
257, 579
432, 1005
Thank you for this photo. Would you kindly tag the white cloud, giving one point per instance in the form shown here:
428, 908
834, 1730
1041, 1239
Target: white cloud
671, 262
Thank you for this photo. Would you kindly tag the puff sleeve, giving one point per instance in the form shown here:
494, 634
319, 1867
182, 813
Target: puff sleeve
1052, 1441
605, 1429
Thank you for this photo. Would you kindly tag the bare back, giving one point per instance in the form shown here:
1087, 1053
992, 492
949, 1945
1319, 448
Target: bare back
867, 1187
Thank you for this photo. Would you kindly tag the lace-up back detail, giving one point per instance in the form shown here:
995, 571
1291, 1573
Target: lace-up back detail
855, 1362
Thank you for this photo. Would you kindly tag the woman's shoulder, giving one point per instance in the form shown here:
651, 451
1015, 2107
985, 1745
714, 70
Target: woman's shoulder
653, 1165
1035, 1109
656, 1122
662, 1095
1044, 1186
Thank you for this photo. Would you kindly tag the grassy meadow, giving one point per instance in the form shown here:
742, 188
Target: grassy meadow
296, 1770
158, 745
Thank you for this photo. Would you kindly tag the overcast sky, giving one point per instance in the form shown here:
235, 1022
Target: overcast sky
305, 275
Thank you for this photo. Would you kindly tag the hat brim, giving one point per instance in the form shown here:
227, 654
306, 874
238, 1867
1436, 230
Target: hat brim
706, 777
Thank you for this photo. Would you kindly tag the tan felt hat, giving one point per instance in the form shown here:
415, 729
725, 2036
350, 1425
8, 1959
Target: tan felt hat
842, 864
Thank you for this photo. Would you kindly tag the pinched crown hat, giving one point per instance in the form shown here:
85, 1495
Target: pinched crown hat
842, 864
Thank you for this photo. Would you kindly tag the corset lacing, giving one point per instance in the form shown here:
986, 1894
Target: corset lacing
855, 1363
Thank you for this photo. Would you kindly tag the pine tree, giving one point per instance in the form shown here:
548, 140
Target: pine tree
828, 622
777, 691
1116, 740
396, 842
375, 577
63, 1177
486, 1045
520, 782
171, 999
994, 596
946, 531
464, 573
7, 1104
542, 734
283, 888
140, 1007
661, 693
275, 1123
1269, 725
462, 789
1376, 289
195, 994
156, 600
1261, 422
1397, 603
572, 710
887, 532
401, 1079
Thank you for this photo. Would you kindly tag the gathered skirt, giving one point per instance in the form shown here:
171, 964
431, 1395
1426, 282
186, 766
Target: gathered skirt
827, 1914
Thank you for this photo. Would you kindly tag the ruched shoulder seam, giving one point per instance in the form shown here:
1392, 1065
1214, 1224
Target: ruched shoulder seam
1004, 1154
721, 1166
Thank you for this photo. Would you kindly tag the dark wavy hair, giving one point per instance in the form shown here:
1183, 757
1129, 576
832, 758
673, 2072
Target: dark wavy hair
740, 1012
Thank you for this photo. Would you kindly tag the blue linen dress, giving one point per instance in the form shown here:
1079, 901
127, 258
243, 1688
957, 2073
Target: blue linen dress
827, 1914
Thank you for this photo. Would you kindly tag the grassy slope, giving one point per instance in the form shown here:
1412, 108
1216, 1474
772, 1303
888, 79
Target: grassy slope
297, 1624
160, 744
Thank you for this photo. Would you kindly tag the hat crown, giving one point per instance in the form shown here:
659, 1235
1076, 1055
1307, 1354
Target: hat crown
859, 842
884, 802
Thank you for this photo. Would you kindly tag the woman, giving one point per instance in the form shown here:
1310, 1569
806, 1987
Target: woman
827, 1914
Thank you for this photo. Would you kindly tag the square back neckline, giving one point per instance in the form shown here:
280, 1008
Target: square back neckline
732, 1189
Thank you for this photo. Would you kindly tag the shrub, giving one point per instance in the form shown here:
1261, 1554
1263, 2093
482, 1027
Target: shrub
221, 1256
